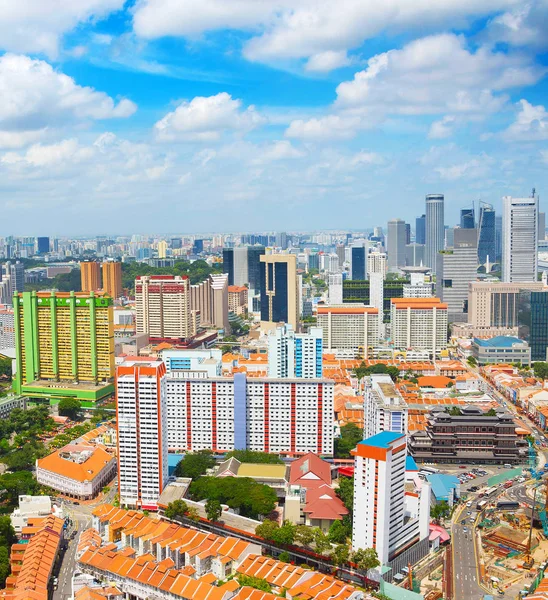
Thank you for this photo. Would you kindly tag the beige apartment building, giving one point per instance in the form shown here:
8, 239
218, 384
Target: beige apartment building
350, 327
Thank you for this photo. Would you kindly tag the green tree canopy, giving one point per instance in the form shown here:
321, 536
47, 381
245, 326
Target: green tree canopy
213, 509
195, 464
440, 510
304, 535
366, 558
70, 407
266, 529
337, 533
176, 509
252, 456
16, 484
340, 554
351, 434
540, 369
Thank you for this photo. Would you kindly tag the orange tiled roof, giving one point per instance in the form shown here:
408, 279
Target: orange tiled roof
85, 471
434, 381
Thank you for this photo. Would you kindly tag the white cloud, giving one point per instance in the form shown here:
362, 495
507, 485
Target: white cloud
35, 26
442, 128
436, 74
278, 150
40, 155
531, 124
287, 29
327, 61
19, 139
523, 25
35, 96
330, 127
206, 118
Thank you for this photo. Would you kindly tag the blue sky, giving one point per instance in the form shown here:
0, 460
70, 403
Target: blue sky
167, 116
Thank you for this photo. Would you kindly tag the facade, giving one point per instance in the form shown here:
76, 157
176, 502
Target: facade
90, 275
471, 437
77, 470
112, 278
9, 403
487, 234
254, 254
396, 242
279, 291
358, 263
42, 245
209, 301
64, 345
420, 230
384, 406
456, 268
419, 324
376, 269
293, 354
7, 328
335, 283
163, 306
435, 229
199, 364
533, 322
237, 299
16, 272
142, 432
502, 349
519, 239
467, 220
385, 517
243, 265
349, 327
496, 304
283, 416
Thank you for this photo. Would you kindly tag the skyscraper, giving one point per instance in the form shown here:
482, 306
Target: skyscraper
254, 254
487, 243
467, 220
42, 245
228, 264
541, 226
90, 276
533, 322
519, 239
498, 238
279, 291
335, 282
198, 247
420, 230
435, 228
142, 433
281, 240
376, 269
397, 240
293, 354
358, 264
112, 278
16, 272
162, 249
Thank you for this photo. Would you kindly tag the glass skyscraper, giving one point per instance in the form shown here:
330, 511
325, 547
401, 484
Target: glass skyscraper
467, 220
487, 238
533, 322
435, 229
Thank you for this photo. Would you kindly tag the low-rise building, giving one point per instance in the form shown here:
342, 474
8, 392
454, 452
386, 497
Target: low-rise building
501, 349
31, 507
77, 470
274, 476
10, 403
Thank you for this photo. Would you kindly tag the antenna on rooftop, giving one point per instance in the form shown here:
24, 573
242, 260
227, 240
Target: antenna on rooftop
533, 193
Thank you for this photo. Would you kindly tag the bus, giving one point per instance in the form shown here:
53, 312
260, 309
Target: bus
489, 492
507, 505
481, 505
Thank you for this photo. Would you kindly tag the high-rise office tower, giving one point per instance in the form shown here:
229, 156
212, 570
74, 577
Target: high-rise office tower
163, 306
487, 245
142, 433
358, 263
396, 242
498, 238
162, 249
112, 278
254, 254
519, 239
335, 282
228, 264
414, 255
449, 237
16, 271
293, 354
176, 243
281, 240
435, 228
90, 276
63, 339
198, 247
341, 254
456, 268
279, 291
467, 220
407, 233
541, 226
420, 230
533, 322
42, 245
376, 269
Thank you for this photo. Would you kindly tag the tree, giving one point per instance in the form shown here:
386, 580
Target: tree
450, 384
192, 514
345, 492
440, 510
5, 366
195, 464
70, 407
351, 434
254, 582
7, 533
252, 456
24, 458
267, 529
540, 369
213, 510
340, 554
321, 541
337, 533
284, 557
226, 348
491, 413
304, 535
366, 559
472, 361
284, 535
176, 509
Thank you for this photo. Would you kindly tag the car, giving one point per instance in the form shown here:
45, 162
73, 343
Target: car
469, 503
463, 522
465, 529
76, 503
463, 467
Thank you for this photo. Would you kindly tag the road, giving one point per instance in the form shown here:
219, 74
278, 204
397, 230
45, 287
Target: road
465, 565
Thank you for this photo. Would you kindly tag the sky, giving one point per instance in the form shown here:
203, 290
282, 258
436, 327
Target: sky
183, 116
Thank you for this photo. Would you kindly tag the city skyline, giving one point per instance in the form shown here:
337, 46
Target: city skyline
118, 109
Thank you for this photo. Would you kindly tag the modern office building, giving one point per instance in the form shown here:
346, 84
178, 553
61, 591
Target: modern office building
279, 291
335, 286
16, 272
487, 234
198, 246
498, 238
42, 245
142, 424
396, 242
163, 306
386, 517
420, 230
415, 255
358, 263
340, 251
7, 328
449, 237
533, 322
419, 324
349, 328
90, 276
64, 345
541, 226
435, 228
519, 239
295, 355
473, 436
384, 406
496, 304
243, 265
456, 268
503, 349
376, 270
254, 254
209, 303
467, 220
281, 240
112, 278
283, 416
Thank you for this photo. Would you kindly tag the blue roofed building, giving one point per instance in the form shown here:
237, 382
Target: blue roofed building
501, 349
444, 487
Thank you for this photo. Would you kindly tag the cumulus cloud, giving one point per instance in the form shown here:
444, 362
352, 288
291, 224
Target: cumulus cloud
442, 128
327, 61
35, 26
305, 28
531, 124
278, 150
523, 25
206, 118
35, 97
40, 155
330, 127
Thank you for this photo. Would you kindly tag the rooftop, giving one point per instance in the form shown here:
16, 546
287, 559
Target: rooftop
501, 341
383, 439
79, 462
